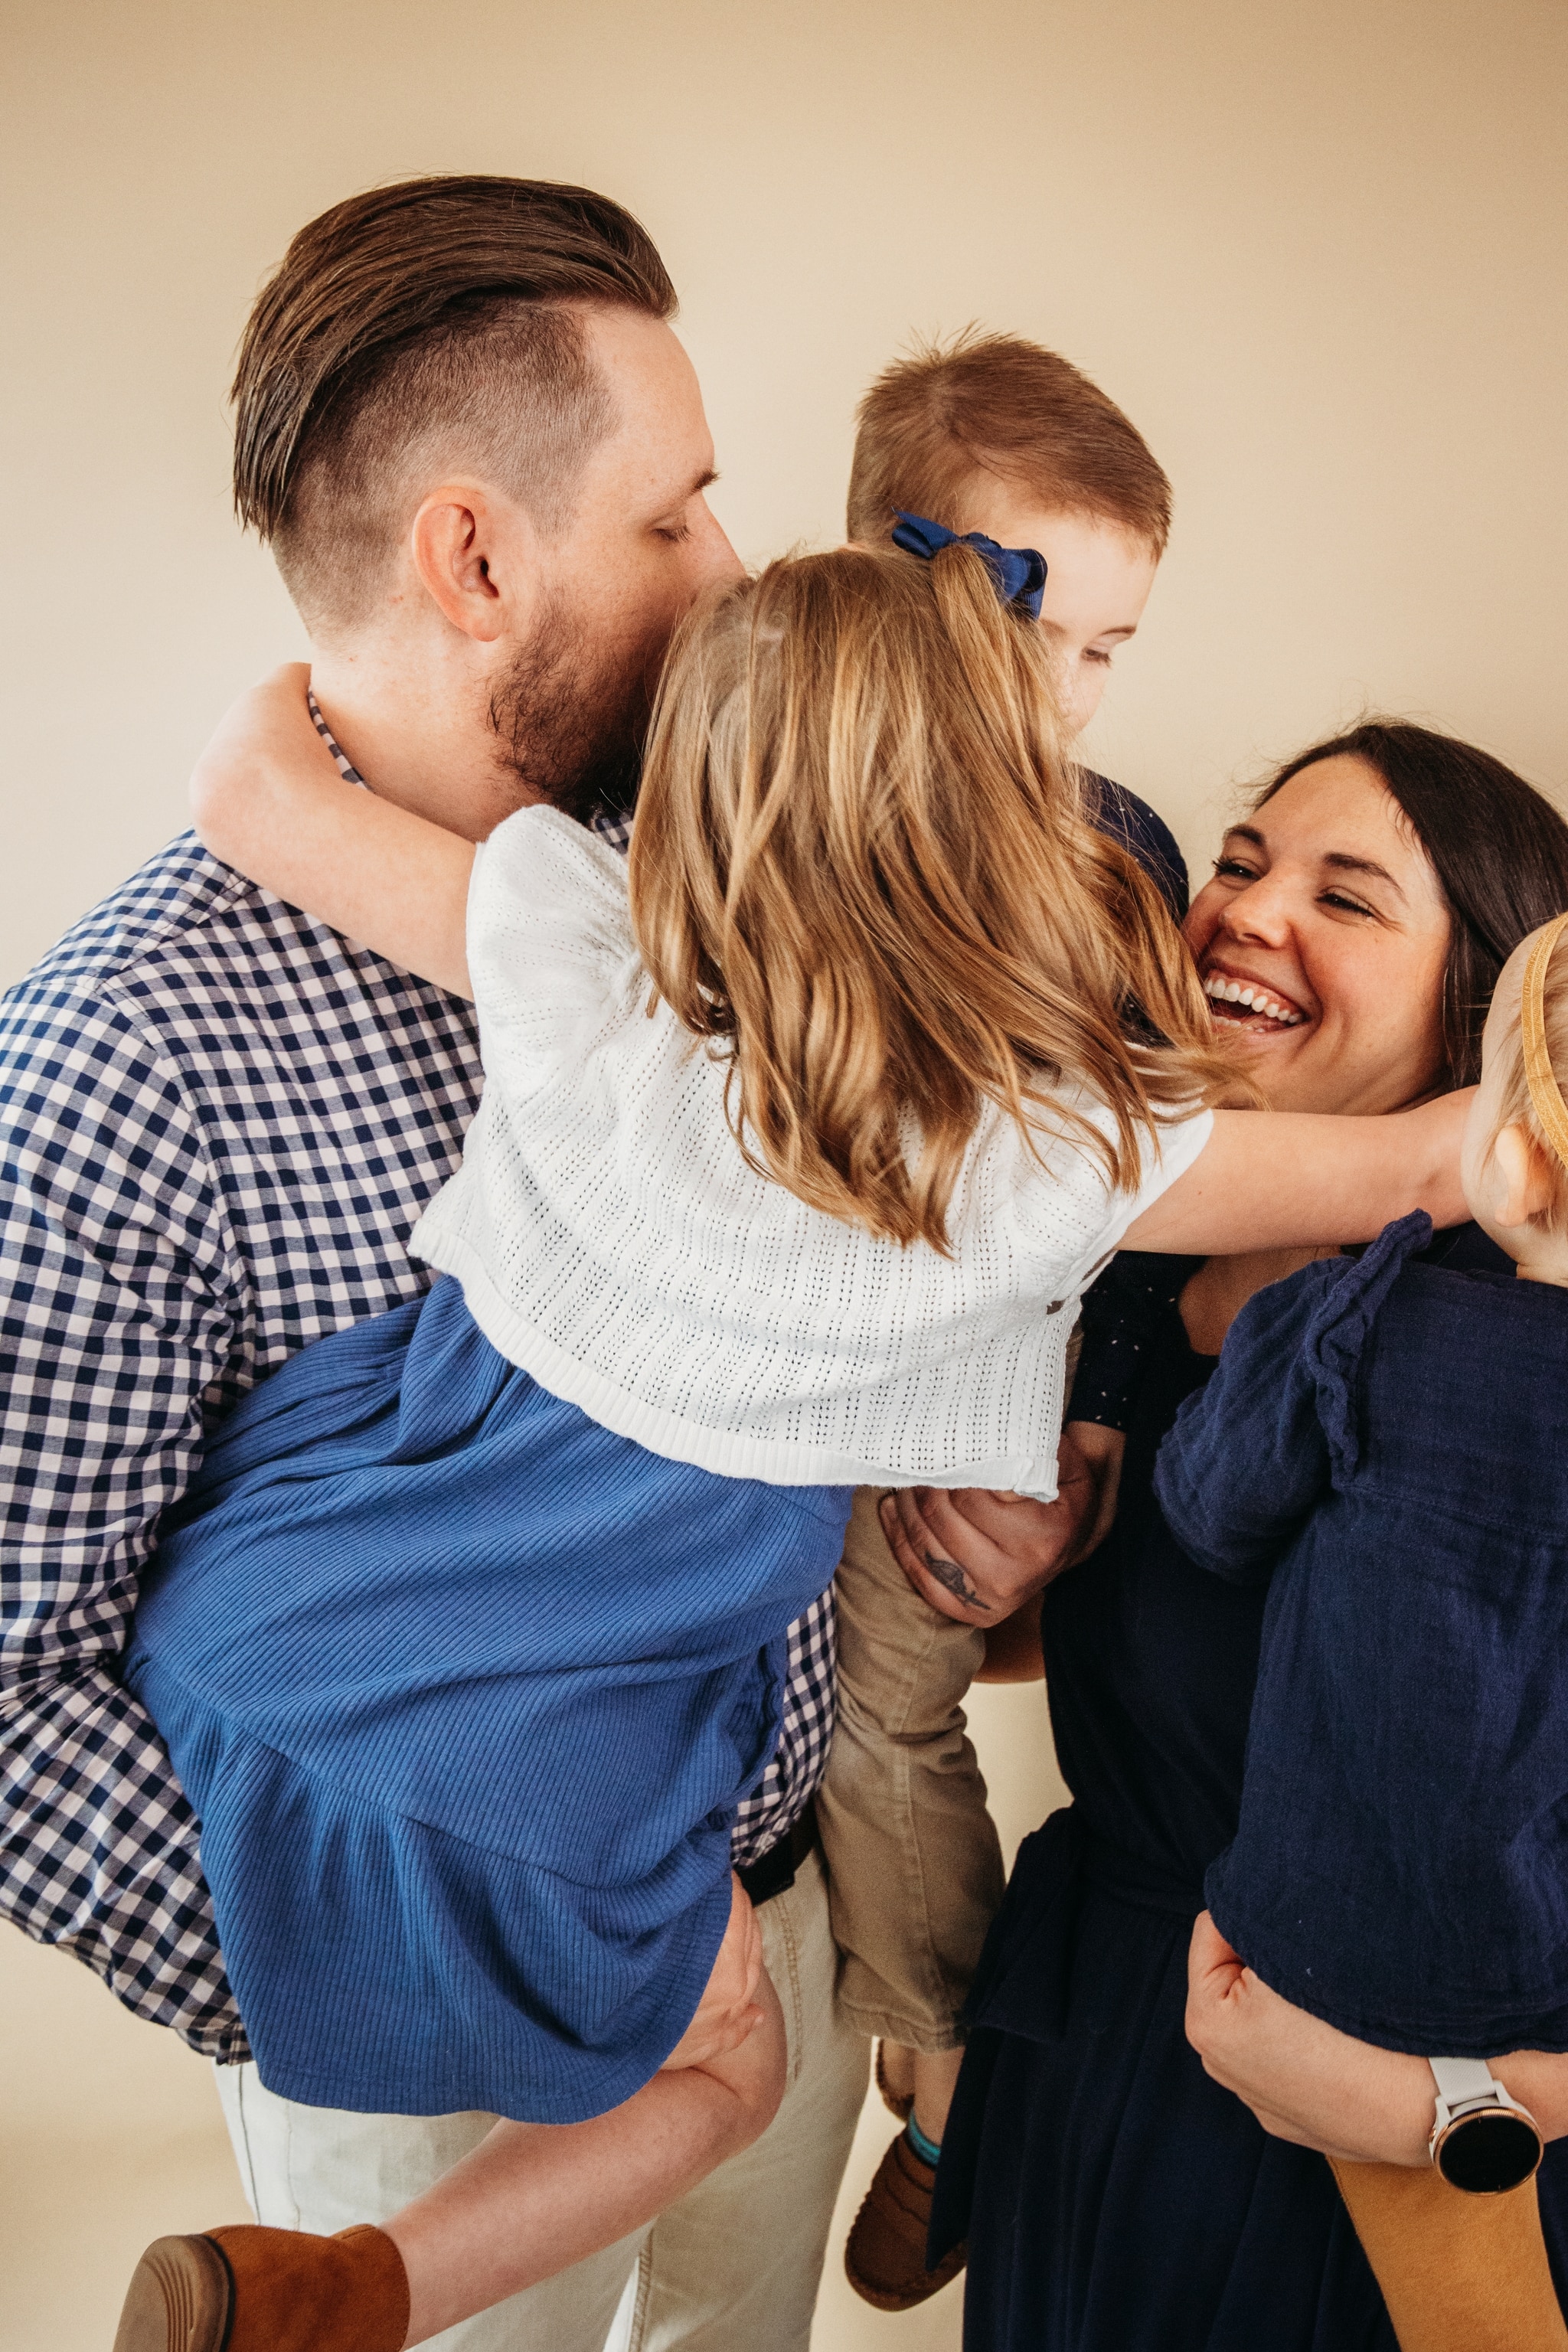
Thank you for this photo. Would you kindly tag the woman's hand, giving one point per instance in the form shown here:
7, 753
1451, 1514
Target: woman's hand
1307, 2082
979, 1556
1303, 2080
729, 2011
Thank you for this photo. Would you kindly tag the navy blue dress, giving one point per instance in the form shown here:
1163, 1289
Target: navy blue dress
465, 1691
1385, 1446
1114, 2197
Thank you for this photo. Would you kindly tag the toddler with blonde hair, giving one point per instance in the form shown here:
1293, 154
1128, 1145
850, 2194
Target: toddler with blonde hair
794, 1158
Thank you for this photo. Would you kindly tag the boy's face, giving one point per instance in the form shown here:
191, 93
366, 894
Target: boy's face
1097, 578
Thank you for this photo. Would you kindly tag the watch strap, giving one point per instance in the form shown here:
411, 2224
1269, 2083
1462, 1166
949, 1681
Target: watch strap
1461, 2080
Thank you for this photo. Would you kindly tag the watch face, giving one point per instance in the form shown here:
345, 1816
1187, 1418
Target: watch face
1487, 2153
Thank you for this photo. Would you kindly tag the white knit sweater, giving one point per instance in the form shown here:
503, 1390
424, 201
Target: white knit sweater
611, 1240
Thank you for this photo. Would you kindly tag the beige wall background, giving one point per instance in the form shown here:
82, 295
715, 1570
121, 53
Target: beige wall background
1316, 250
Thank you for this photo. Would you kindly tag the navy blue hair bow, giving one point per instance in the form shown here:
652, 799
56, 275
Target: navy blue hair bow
1019, 571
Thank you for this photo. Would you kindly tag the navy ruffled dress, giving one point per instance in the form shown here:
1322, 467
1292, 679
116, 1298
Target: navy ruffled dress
465, 1691
1114, 2197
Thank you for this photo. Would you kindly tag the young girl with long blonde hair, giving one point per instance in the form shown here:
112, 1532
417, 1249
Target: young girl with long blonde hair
793, 1162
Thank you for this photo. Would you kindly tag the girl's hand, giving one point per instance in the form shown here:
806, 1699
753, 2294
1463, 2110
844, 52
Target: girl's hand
729, 2009
266, 798
269, 727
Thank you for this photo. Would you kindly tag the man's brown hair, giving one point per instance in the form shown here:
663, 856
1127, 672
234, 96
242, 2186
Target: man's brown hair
428, 321
997, 404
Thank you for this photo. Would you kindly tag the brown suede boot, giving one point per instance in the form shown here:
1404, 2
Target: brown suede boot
251, 2290
886, 2257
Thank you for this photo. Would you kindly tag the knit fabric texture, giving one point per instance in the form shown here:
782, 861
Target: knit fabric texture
612, 1240
466, 1692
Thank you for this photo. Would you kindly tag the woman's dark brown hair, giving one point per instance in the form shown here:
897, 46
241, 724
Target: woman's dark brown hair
1498, 847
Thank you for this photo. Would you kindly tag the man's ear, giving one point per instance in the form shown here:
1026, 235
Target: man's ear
471, 559
1525, 1183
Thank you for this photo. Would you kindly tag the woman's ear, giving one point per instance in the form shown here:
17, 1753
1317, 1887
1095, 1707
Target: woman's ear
467, 554
1525, 1188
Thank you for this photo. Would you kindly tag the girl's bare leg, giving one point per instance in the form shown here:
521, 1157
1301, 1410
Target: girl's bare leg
535, 2197
531, 2200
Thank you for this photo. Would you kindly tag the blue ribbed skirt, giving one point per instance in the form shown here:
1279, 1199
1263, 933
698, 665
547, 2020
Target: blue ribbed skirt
465, 1691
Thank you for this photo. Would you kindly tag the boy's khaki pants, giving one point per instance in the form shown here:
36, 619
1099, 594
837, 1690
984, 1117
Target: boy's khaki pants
914, 1865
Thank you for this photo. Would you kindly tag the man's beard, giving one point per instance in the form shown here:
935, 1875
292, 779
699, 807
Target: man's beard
570, 719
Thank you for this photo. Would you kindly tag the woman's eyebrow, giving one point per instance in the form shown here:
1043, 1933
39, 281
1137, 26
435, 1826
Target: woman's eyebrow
1342, 864
1340, 860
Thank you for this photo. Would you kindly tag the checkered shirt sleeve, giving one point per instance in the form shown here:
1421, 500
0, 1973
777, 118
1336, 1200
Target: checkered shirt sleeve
218, 1123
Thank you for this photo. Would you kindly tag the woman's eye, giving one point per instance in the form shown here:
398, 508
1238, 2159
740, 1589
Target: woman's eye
1348, 905
1231, 869
1103, 659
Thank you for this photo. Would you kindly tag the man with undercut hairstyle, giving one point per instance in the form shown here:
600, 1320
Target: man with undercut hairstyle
479, 454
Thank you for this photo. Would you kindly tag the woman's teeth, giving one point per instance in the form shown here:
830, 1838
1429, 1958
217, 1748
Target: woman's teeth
1250, 1002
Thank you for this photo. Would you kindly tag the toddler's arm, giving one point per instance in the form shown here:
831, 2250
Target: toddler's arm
1276, 1179
1247, 1457
267, 798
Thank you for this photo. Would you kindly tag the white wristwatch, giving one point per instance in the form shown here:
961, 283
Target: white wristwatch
1482, 2141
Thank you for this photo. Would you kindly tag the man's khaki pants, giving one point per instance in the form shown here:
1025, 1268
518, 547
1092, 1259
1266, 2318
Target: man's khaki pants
734, 2267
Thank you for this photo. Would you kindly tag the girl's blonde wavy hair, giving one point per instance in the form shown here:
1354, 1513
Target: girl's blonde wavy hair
861, 867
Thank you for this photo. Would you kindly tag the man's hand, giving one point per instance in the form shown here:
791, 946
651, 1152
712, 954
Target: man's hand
1303, 2080
731, 2007
978, 1555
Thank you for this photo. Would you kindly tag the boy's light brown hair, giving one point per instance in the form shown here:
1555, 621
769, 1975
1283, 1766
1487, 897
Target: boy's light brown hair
862, 869
995, 404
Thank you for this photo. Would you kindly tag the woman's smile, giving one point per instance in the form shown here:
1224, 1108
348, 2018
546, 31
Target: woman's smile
1321, 944
1244, 1000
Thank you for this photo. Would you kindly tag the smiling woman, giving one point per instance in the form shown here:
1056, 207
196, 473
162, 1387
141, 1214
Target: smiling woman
1358, 919
1348, 942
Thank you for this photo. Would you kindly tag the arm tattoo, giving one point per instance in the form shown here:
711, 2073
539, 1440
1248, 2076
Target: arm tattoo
952, 1579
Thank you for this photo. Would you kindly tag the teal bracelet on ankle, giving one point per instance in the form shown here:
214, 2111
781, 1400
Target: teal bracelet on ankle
927, 2150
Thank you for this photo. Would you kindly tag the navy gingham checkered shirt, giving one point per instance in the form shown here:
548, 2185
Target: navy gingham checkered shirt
221, 1121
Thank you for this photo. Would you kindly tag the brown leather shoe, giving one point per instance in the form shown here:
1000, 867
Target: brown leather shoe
252, 2290
886, 2257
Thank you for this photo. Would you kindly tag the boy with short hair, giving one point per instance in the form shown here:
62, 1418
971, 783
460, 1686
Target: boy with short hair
990, 434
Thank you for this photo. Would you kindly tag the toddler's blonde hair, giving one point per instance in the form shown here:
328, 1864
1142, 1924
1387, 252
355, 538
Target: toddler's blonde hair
861, 864
1517, 1104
